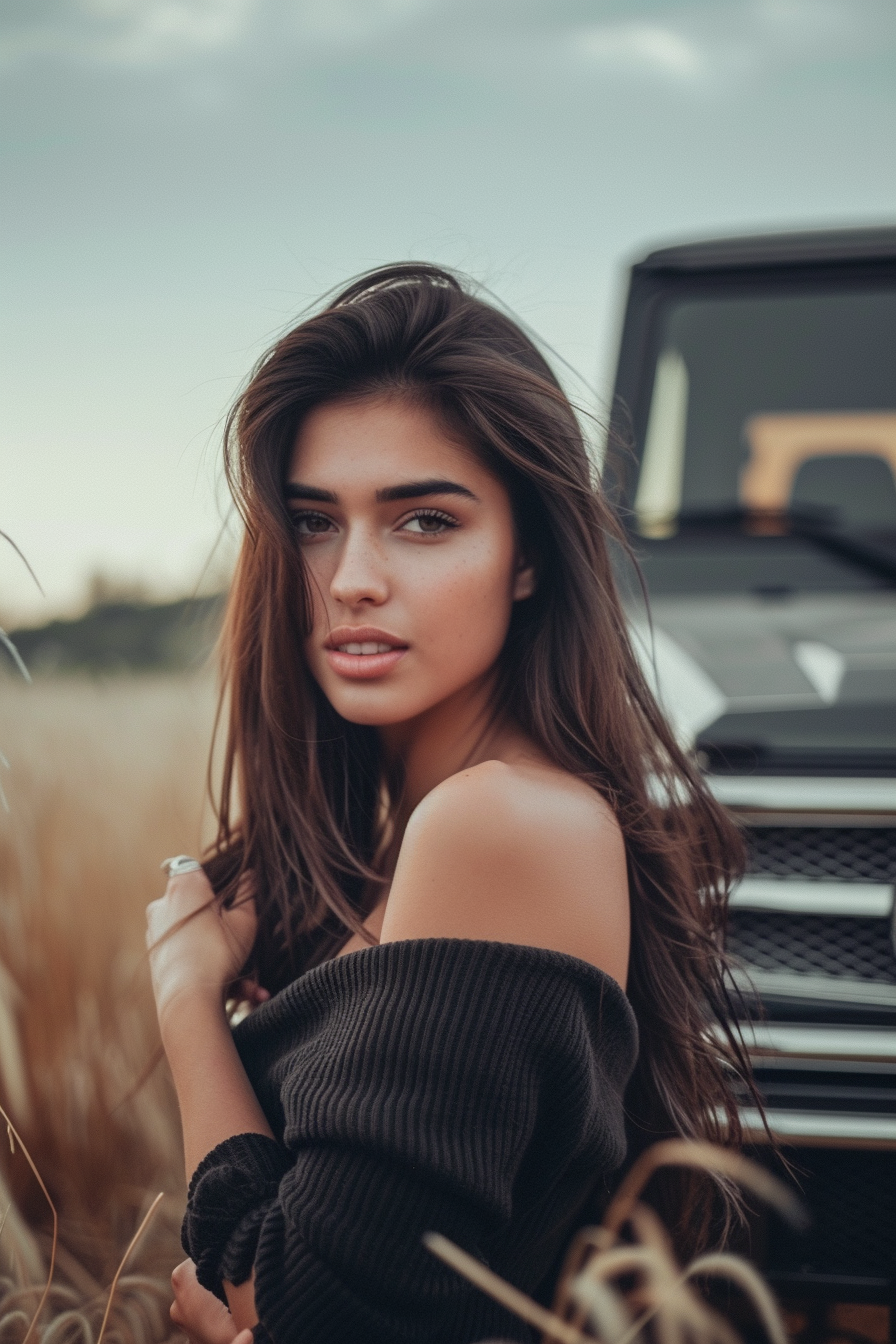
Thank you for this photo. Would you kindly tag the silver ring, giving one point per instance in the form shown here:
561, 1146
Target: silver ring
182, 863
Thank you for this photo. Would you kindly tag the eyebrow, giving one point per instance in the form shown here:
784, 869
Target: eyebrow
296, 491
392, 493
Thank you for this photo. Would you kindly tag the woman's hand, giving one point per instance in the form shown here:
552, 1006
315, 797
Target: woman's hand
202, 1317
195, 944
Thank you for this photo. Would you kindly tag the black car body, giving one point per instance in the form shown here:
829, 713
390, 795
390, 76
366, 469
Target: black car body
756, 388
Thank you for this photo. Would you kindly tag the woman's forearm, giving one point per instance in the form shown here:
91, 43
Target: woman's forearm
215, 1096
196, 948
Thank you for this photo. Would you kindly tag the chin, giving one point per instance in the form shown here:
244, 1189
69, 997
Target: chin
377, 710
374, 719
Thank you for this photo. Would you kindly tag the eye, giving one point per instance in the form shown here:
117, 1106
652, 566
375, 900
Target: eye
429, 523
308, 524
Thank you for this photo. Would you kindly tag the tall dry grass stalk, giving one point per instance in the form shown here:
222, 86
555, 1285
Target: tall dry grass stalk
621, 1282
104, 780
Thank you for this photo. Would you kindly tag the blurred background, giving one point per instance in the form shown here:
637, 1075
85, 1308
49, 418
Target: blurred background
182, 178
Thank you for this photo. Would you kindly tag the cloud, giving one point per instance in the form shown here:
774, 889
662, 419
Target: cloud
129, 32
639, 46
714, 46
169, 28
695, 45
347, 22
158, 32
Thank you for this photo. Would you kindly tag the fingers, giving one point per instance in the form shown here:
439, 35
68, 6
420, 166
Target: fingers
201, 1316
192, 888
181, 1273
192, 939
249, 991
185, 897
177, 1316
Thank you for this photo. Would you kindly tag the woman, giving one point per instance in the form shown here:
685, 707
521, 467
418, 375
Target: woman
454, 828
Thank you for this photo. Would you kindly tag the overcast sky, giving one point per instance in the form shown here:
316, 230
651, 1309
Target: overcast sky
182, 177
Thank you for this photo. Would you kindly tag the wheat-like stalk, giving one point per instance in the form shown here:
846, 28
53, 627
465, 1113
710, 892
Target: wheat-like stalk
611, 1290
14, 1137
124, 1259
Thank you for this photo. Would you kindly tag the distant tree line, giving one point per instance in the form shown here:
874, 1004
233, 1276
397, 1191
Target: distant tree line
124, 636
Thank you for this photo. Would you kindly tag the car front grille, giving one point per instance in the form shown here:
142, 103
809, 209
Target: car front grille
847, 853
858, 948
846, 947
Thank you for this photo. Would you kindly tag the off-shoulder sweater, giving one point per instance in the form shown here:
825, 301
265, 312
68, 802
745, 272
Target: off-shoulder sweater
469, 1088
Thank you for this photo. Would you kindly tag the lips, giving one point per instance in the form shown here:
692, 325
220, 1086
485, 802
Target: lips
362, 653
365, 649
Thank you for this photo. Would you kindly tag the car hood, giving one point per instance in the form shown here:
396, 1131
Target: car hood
801, 681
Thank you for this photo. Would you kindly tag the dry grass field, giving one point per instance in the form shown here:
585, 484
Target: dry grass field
105, 779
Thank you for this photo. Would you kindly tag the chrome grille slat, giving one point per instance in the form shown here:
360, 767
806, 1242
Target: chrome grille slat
831, 989
807, 1127
788, 792
867, 1044
814, 896
812, 919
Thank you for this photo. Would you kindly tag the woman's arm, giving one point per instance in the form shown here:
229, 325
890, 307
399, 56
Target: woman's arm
215, 1097
196, 950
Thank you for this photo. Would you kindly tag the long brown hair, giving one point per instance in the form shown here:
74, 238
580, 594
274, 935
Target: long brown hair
301, 802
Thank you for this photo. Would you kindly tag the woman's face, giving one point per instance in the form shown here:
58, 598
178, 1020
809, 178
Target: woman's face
411, 550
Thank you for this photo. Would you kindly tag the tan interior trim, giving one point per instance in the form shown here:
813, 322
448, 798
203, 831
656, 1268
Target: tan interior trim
780, 444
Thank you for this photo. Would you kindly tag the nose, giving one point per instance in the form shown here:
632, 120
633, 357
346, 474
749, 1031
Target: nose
360, 576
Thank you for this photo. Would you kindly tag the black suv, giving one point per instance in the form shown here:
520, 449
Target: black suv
757, 385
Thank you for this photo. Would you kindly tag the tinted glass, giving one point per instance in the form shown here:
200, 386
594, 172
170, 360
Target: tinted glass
745, 357
771, 401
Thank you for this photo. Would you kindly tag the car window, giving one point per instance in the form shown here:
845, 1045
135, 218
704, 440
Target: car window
772, 400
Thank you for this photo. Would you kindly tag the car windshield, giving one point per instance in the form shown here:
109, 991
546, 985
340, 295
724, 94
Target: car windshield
764, 404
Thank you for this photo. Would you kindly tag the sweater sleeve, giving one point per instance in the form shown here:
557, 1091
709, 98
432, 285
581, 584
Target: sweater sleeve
232, 1189
466, 1088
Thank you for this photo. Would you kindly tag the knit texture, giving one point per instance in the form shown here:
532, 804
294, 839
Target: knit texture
469, 1088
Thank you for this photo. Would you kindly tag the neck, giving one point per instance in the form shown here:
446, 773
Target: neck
460, 732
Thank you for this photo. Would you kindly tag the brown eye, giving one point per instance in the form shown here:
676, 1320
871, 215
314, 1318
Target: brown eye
429, 523
311, 524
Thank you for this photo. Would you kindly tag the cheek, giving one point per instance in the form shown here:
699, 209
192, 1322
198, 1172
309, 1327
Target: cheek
465, 609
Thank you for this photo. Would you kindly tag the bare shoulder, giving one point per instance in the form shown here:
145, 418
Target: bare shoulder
529, 805
518, 854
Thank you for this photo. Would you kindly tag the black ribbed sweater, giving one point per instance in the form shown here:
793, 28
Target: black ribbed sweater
469, 1088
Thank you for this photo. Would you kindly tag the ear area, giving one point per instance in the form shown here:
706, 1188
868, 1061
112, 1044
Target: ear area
523, 580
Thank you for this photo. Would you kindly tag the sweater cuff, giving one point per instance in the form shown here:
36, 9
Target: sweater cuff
229, 1194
